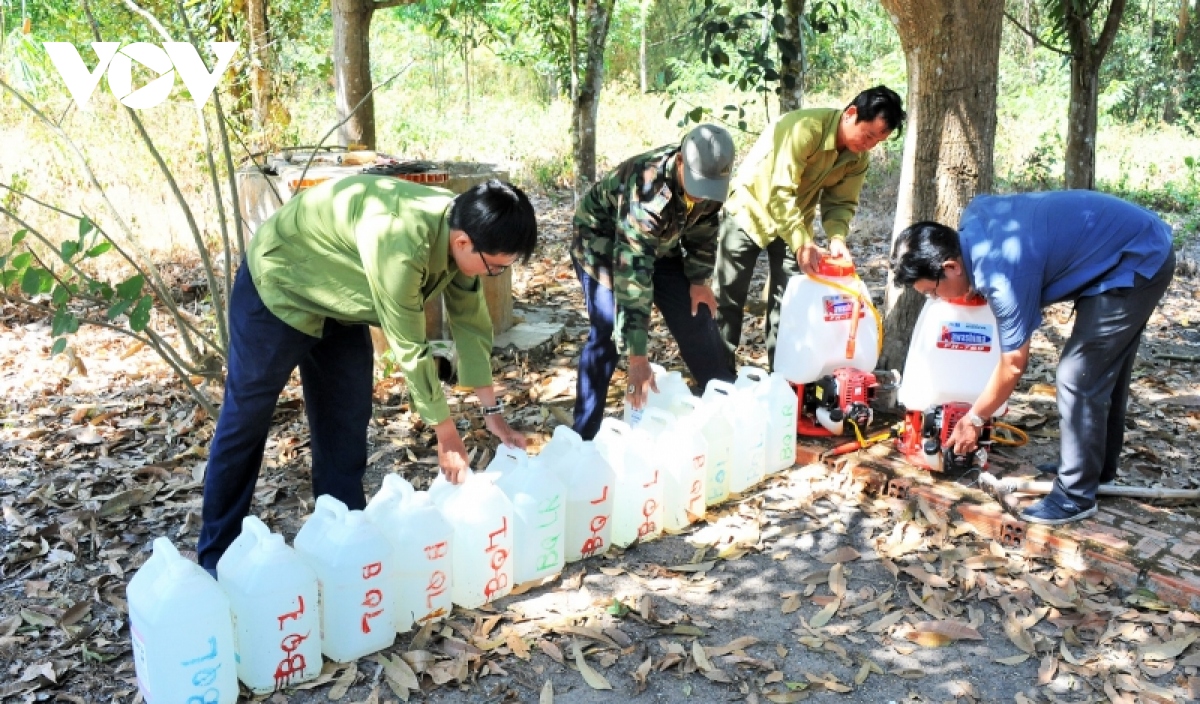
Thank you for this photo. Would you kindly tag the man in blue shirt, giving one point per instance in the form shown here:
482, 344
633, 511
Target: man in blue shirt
1024, 252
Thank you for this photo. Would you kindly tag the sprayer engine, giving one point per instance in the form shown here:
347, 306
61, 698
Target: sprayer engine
827, 404
926, 437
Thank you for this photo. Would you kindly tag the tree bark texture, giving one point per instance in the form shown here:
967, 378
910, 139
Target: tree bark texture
791, 69
352, 70
952, 52
1187, 45
598, 17
260, 63
1087, 55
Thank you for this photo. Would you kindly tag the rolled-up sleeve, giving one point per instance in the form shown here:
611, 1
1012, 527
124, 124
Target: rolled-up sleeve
471, 326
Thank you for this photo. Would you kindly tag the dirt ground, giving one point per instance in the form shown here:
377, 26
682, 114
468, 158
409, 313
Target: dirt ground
802, 589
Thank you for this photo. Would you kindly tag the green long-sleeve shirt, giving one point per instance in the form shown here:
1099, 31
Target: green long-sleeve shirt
374, 249
794, 165
628, 220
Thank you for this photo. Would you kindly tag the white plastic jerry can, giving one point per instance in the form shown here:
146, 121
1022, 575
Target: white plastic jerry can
954, 350
422, 544
590, 483
273, 596
683, 454
714, 423
483, 522
354, 564
182, 631
638, 499
749, 419
671, 387
776, 396
540, 508
826, 322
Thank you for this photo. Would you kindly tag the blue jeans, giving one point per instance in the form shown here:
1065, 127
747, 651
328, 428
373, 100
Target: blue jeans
700, 344
335, 372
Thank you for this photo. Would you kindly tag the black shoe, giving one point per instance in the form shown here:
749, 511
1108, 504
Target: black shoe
1055, 511
1052, 468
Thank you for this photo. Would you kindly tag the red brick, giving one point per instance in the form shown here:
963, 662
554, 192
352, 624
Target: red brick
938, 498
808, 453
1174, 589
1105, 536
1120, 571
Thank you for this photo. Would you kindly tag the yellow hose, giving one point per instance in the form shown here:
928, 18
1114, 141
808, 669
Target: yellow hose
858, 295
1021, 437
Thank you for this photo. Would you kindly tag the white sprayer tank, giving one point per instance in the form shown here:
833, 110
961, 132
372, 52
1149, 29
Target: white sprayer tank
815, 323
273, 595
182, 631
423, 544
955, 348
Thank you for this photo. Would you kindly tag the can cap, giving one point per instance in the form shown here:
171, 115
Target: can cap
835, 266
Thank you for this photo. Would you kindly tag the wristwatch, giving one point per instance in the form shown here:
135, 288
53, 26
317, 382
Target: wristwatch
974, 419
496, 410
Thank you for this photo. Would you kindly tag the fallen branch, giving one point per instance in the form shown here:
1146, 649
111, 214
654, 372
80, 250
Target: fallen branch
1178, 357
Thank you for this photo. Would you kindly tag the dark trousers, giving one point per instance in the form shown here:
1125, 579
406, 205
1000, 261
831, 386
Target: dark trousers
1093, 381
335, 371
736, 257
697, 336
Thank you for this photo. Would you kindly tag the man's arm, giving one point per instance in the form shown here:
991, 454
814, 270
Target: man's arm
783, 202
839, 202
999, 388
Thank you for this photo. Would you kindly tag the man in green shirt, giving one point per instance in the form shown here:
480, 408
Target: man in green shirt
364, 250
804, 158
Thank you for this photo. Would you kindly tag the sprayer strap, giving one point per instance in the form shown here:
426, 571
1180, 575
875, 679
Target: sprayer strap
496, 410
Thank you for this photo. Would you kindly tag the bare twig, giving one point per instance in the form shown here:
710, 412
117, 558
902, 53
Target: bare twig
1178, 357
350, 114
1032, 35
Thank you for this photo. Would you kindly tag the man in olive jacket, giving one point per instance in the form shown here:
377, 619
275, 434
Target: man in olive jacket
804, 159
364, 250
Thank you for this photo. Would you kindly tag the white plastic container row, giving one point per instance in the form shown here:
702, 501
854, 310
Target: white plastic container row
357, 578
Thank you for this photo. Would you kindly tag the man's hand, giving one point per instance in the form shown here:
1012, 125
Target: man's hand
501, 429
965, 438
452, 454
703, 294
839, 250
808, 257
641, 379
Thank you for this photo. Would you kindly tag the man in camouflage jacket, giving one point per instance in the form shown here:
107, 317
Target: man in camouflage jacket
647, 234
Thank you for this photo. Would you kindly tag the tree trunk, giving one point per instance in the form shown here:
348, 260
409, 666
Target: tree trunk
260, 63
643, 70
791, 68
587, 99
1187, 45
952, 52
352, 70
1086, 58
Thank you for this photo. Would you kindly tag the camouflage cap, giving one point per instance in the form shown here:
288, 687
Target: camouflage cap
707, 162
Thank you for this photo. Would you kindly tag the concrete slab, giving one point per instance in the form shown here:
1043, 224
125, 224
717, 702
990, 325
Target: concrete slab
532, 338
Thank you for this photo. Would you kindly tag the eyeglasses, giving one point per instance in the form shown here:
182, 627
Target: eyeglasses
487, 266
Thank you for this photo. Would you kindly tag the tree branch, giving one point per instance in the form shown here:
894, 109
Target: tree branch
1037, 40
384, 4
1112, 23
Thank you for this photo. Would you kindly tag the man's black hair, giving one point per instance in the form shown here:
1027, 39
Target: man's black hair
921, 250
877, 101
498, 218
